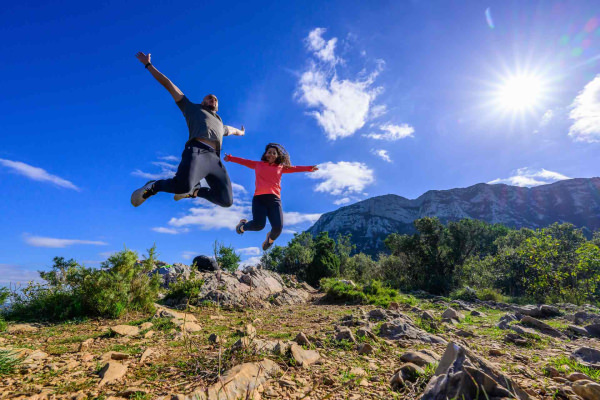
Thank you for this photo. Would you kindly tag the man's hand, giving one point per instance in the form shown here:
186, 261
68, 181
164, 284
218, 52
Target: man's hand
235, 131
144, 59
242, 132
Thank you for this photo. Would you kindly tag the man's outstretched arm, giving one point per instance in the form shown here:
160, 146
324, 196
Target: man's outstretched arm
163, 80
234, 131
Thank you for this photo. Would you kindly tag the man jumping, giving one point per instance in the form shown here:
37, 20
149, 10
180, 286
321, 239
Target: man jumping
201, 158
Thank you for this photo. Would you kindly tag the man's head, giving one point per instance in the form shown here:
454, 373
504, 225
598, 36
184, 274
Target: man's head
211, 102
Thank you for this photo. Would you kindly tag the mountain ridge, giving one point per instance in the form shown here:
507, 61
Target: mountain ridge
576, 201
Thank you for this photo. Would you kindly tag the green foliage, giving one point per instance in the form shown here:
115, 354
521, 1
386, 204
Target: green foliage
185, 288
298, 255
566, 365
74, 291
487, 294
325, 263
372, 293
466, 294
8, 362
360, 267
226, 257
273, 258
343, 249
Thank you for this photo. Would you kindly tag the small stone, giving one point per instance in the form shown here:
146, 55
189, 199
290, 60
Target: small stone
463, 333
125, 330
190, 327
345, 334
577, 376
417, 358
304, 358
146, 354
476, 313
495, 352
214, 338
146, 325
302, 340
364, 332
248, 330
111, 372
452, 314
365, 348
394, 306
85, 345
427, 316
148, 334
587, 389
242, 343
358, 371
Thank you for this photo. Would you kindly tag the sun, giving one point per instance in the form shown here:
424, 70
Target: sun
520, 93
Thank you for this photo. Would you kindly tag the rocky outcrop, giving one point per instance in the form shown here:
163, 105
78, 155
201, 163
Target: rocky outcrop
463, 375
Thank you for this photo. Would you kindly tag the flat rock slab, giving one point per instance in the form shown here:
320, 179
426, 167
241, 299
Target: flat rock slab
304, 358
587, 356
403, 329
417, 358
111, 372
190, 327
541, 326
240, 382
125, 330
587, 389
22, 328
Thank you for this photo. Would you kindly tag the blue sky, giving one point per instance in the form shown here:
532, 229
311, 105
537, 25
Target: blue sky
386, 96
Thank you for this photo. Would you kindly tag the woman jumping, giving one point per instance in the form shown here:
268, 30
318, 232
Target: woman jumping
266, 202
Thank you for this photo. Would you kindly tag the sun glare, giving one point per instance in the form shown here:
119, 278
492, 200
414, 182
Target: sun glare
520, 93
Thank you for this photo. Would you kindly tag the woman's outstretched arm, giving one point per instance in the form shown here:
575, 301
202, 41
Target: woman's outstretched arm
246, 163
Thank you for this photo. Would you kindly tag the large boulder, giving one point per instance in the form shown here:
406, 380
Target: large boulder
463, 375
404, 329
171, 273
587, 356
205, 263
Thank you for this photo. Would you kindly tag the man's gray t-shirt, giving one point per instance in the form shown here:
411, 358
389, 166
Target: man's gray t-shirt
203, 123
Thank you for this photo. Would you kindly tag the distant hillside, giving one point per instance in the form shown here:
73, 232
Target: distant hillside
370, 221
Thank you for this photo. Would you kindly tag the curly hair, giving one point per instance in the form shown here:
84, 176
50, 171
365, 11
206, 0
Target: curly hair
283, 156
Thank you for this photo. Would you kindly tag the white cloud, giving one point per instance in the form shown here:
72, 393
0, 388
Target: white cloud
212, 217
167, 171
237, 188
288, 231
251, 262
249, 251
383, 154
16, 274
188, 255
344, 200
170, 158
322, 49
546, 118
343, 177
340, 106
586, 113
37, 174
39, 241
527, 177
170, 231
392, 132
294, 218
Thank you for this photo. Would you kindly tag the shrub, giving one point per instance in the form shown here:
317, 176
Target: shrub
226, 257
372, 293
74, 291
465, 294
489, 294
325, 263
185, 288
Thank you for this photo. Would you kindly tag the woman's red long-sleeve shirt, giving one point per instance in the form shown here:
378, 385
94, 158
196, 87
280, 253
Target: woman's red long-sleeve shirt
268, 176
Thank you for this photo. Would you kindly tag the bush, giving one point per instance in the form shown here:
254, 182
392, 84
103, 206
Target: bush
184, 288
74, 291
226, 257
465, 294
488, 294
372, 293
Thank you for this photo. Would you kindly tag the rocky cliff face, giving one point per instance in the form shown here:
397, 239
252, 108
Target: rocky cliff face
370, 221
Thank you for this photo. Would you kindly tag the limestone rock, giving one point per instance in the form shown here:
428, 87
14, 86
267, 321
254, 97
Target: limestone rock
587, 389
301, 339
593, 330
365, 348
146, 354
345, 334
112, 371
125, 330
418, 358
304, 358
577, 376
85, 345
427, 316
451, 313
462, 374
146, 326
587, 356
190, 327
241, 382
403, 329
541, 326
22, 328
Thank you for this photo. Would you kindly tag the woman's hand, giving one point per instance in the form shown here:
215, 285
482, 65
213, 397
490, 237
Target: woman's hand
314, 168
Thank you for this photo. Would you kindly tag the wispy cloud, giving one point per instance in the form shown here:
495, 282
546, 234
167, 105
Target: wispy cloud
340, 106
383, 154
342, 178
37, 174
39, 241
586, 113
170, 158
249, 251
212, 217
167, 170
250, 262
342, 201
16, 274
188, 255
546, 118
527, 177
170, 231
294, 218
391, 132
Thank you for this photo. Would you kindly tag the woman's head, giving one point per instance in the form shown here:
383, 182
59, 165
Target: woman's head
276, 154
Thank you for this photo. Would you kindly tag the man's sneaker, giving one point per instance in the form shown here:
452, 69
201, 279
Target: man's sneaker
238, 227
267, 243
191, 195
139, 196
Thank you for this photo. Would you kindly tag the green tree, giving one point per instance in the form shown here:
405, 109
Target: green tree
226, 257
325, 263
361, 268
273, 259
298, 255
343, 249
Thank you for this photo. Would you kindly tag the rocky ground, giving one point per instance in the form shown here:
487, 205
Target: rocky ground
430, 349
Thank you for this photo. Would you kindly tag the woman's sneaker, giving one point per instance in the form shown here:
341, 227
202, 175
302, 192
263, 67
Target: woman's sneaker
239, 226
140, 195
191, 195
267, 243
